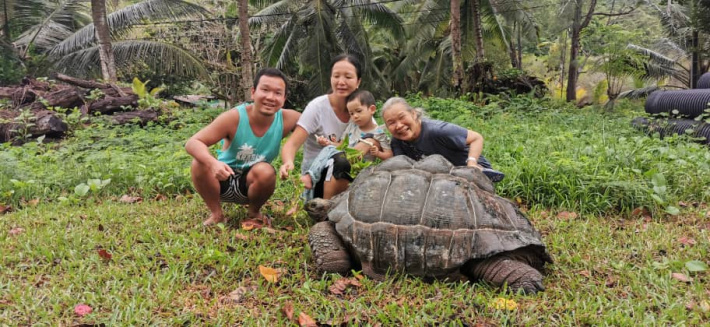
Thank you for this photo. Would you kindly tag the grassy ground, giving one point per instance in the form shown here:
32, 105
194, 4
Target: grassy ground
584, 175
165, 269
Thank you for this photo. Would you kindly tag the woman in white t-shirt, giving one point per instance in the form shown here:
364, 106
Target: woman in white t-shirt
326, 115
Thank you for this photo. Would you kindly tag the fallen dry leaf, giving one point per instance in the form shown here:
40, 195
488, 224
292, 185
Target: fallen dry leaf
503, 304
610, 281
304, 320
340, 285
82, 310
687, 241
585, 273
130, 199
104, 254
250, 224
566, 215
690, 305
241, 236
288, 310
681, 277
236, 296
293, 210
160, 197
544, 214
4, 209
270, 274
33, 202
16, 231
704, 306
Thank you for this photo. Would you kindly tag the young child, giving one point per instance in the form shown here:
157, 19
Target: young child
362, 131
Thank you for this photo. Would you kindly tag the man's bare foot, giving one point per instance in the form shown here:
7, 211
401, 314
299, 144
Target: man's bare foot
213, 220
307, 181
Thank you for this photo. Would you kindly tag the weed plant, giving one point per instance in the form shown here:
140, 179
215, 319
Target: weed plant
553, 155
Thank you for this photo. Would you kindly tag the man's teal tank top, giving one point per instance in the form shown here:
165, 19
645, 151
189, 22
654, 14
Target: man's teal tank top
246, 148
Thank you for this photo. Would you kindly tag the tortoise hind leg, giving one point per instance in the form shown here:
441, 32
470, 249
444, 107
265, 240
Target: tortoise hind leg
328, 249
502, 269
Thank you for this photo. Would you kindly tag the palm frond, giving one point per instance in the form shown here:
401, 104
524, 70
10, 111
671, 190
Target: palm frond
637, 93
272, 14
43, 22
164, 58
124, 19
653, 55
379, 15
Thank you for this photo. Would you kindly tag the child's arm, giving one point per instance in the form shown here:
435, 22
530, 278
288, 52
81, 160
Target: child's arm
382, 154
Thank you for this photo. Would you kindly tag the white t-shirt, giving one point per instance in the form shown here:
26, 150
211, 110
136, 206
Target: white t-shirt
319, 119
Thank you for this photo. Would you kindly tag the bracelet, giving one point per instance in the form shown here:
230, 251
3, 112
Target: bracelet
472, 159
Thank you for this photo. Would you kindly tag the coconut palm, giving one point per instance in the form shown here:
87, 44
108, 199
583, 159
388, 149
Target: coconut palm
62, 30
79, 53
309, 33
427, 54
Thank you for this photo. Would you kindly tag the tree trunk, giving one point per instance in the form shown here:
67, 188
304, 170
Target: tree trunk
6, 21
695, 70
247, 74
456, 44
103, 35
478, 30
520, 48
512, 50
577, 26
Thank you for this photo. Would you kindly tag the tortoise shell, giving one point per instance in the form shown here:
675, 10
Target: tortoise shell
428, 218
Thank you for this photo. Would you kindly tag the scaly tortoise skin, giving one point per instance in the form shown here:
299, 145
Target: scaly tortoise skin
427, 219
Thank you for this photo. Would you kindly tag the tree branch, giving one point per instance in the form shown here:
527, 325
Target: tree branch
615, 14
588, 18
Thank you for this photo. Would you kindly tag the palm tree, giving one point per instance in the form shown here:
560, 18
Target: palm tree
62, 31
103, 35
247, 74
426, 57
309, 33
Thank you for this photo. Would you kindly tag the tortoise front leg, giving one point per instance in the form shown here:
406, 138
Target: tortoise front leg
328, 249
502, 269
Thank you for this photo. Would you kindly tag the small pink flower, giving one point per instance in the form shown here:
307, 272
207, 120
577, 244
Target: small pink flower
82, 310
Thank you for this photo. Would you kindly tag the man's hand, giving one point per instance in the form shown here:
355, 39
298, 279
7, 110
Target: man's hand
286, 167
221, 171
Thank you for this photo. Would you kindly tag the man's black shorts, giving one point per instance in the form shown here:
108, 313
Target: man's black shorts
235, 189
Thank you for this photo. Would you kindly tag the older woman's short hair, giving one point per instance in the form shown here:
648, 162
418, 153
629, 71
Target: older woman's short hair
418, 112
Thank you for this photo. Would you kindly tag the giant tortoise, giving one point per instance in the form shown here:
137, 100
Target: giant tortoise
427, 219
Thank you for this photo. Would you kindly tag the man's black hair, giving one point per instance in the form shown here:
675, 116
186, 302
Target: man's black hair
364, 96
271, 72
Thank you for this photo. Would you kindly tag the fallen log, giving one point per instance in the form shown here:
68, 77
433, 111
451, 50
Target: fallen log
106, 88
140, 117
42, 122
63, 97
109, 105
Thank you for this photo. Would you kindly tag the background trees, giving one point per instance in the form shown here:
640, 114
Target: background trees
444, 48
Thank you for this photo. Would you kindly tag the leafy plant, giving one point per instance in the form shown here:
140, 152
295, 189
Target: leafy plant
146, 99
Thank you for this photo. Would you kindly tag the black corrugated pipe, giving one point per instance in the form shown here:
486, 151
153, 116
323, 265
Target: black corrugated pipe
691, 127
689, 103
704, 81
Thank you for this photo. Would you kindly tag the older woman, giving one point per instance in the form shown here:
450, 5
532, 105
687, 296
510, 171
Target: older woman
326, 115
416, 137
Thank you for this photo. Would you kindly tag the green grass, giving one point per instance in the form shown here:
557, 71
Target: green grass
168, 270
611, 267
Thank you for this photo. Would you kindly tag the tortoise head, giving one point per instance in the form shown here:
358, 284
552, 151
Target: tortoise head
318, 209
